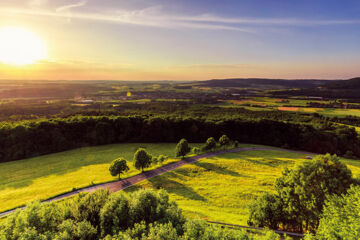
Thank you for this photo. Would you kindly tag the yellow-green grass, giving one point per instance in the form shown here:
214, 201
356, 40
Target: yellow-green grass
220, 188
46, 176
331, 112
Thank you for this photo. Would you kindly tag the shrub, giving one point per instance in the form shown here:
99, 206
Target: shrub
224, 140
182, 148
196, 150
210, 144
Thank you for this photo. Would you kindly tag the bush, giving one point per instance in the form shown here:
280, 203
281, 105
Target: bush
210, 144
224, 140
196, 150
162, 158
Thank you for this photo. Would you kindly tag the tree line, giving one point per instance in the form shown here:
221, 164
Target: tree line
140, 215
26, 139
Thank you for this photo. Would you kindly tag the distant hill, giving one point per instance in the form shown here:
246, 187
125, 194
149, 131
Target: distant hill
262, 83
347, 89
353, 83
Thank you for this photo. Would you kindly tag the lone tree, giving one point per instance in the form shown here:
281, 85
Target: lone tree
210, 144
224, 140
142, 159
302, 192
118, 166
182, 148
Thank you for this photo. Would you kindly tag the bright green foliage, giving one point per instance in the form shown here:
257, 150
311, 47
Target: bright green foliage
195, 150
302, 193
193, 230
224, 140
161, 159
115, 216
118, 166
341, 217
86, 207
210, 144
91, 216
142, 159
182, 148
266, 211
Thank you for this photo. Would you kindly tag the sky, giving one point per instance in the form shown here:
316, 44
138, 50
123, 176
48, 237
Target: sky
187, 39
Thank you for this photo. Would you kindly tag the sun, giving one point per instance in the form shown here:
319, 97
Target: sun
20, 47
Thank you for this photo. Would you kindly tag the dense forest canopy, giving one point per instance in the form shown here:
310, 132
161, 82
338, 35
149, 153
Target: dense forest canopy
32, 138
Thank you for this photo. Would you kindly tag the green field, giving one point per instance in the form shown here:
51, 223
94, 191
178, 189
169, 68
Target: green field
271, 104
220, 188
46, 176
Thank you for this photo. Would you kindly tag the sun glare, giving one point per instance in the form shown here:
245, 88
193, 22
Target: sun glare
20, 47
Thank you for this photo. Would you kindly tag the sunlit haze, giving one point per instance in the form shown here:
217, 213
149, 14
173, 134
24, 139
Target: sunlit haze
20, 47
179, 40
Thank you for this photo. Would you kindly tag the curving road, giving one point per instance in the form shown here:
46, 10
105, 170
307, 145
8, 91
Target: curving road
128, 182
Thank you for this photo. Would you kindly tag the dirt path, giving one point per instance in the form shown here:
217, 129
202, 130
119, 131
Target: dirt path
128, 182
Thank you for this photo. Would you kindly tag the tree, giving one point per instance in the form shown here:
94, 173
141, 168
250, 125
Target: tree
224, 140
115, 214
210, 144
341, 219
303, 191
142, 159
182, 148
266, 211
118, 166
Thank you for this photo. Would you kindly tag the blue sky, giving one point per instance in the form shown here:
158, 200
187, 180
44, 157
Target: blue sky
185, 40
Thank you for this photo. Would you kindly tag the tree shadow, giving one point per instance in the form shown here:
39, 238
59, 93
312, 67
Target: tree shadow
270, 162
217, 169
171, 186
174, 187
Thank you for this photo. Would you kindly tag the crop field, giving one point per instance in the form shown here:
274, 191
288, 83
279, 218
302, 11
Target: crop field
328, 112
292, 105
49, 175
220, 188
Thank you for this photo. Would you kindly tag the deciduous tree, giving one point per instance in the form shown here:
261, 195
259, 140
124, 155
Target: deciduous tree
118, 166
142, 159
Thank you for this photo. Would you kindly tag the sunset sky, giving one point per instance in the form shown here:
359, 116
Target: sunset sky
184, 39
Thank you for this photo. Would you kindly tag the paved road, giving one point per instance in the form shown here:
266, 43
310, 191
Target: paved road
128, 182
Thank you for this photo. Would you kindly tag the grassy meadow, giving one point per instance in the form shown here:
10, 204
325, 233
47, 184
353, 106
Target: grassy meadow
221, 187
49, 175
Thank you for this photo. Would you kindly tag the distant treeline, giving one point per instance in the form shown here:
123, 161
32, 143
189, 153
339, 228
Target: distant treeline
33, 138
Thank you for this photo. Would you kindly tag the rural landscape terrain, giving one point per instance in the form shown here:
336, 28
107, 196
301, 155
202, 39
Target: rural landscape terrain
240, 137
179, 120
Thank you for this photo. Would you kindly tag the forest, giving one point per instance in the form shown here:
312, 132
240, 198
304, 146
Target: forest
30, 138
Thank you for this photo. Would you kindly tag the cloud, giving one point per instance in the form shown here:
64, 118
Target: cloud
155, 16
144, 17
266, 21
70, 6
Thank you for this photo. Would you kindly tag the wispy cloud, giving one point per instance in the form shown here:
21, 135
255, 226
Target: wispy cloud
70, 6
156, 17
144, 17
266, 21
